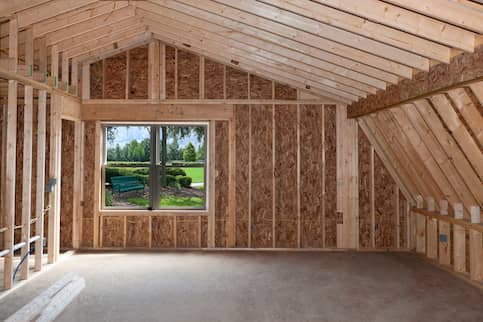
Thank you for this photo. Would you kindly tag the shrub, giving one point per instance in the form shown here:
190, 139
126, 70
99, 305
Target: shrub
175, 172
116, 172
184, 182
141, 171
188, 164
171, 181
108, 198
127, 164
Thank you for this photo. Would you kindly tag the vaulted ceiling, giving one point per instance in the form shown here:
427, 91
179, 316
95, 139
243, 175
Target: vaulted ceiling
341, 49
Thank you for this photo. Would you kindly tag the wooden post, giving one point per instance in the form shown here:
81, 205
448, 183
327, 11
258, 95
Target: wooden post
40, 188
55, 173
420, 227
29, 50
202, 77
459, 244
97, 183
211, 187
444, 236
54, 67
74, 78
86, 72
27, 179
65, 72
10, 167
432, 232
162, 72
76, 216
153, 70
231, 222
476, 249
43, 57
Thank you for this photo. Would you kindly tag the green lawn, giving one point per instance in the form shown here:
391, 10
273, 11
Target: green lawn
171, 201
197, 174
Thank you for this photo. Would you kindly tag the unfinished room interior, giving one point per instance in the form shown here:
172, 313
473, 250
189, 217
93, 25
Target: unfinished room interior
228, 160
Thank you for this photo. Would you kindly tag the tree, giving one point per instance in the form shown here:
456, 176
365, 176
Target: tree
200, 154
174, 152
189, 153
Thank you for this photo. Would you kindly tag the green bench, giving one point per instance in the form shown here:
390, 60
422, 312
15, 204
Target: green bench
125, 184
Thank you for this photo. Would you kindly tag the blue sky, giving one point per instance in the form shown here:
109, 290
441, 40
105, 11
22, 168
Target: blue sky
125, 134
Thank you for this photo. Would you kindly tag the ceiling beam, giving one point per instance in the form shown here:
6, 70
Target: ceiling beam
300, 36
463, 69
198, 40
363, 27
190, 26
331, 62
73, 17
408, 21
461, 13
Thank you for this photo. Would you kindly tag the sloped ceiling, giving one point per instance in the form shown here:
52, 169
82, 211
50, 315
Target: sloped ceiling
341, 49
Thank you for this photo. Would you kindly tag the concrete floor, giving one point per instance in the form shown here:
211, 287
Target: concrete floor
258, 286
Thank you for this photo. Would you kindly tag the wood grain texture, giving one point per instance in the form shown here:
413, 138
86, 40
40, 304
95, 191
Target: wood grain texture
311, 169
285, 175
187, 232
285, 92
19, 169
403, 221
188, 75
204, 232
330, 201
170, 72
242, 123
112, 231
260, 88
138, 72
221, 181
385, 206
96, 80
137, 231
89, 146
261, 186
236, 83
87, 240
462, 68
67, 185
214, 85
365, 191
115, 85
162, 231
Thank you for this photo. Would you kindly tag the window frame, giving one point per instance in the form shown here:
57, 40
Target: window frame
155, 142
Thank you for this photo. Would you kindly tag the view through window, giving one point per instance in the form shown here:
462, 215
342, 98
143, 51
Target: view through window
159, 166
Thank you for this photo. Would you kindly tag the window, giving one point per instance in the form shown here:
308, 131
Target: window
155, 166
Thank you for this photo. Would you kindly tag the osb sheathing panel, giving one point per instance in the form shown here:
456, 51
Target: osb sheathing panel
138, 72
187, 231
384, 205
115, 85
236, 84
220, 233
403, 221
242, 124
162, 232
137, 231
112, 231
2, 164
330, 154
286, 213
214, 85
170, 54
285, 92
89, 163
221, 179
96, 80
19, 169
204, 232
365, 219
188, 75
67, 185
311, 180
262, 169
260, 88
87, 232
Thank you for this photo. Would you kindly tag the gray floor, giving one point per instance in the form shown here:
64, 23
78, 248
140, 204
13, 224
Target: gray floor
258, 286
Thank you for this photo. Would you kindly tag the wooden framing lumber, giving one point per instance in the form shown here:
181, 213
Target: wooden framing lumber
462, 70
27, 179
459, 236
40, 179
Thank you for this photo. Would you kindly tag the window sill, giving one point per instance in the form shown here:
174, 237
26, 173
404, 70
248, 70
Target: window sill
144, 212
